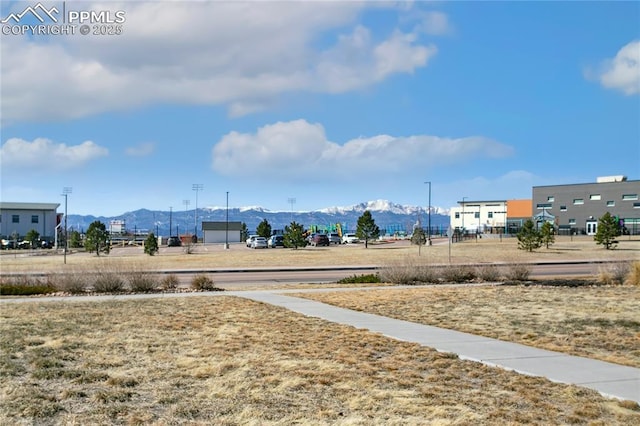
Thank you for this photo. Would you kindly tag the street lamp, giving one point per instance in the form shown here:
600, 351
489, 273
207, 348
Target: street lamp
226, 225
65, 192
291, 201
196, 187
186, 211
429, 215
170, 221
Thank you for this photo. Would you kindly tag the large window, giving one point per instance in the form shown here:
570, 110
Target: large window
578, 201
34, 218
476, 215
543, 206
15, 218
629, 197
490, 215
595, 197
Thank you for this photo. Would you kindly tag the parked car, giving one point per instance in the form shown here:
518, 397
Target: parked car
350, 239
259, 242
276, 241
250, 240
319, 240
174, 242
334, 238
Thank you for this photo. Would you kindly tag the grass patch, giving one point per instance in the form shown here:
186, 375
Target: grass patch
361, 279
225, 360
25, 285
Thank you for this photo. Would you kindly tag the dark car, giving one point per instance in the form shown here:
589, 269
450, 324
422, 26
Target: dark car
319, 240
174, 242
276, 241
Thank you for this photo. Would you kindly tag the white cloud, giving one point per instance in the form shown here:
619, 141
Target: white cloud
623, 72
44, 154
300, 150
142, 150
242, 55
436, 23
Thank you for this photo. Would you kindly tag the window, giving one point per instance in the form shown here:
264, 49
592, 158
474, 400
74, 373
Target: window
551, 198
490, 215
563, 208
611, 203
578, 201
629, 197
572, 221
34, 218
636, 205
476, 215
457, 215
15, 218
595, 197
543, 206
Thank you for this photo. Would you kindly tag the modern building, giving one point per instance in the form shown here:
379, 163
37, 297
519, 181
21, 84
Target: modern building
17, 219
480, 216
576, 208
221, 232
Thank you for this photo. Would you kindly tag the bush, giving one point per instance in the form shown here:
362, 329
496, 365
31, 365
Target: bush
142, 282
203, 282
358, 279
408, 272
170, 282
458, 274
614, 273
488, 273
71, 283
108, 282
517, 272
24, 285
633, 277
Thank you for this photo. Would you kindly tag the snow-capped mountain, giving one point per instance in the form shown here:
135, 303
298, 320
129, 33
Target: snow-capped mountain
389, 217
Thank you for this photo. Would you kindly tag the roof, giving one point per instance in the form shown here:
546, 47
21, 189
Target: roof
28, 206
221, 226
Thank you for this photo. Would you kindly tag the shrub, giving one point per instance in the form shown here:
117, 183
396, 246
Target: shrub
488, 273
203, 282
24, 285
458, 274
170, 282
71, 283
408, 272
517, 272
108, 282
614, 273
633, 276
142, 281
357, 279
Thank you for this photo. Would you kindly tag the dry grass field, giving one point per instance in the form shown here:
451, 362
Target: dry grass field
599, 322
214, 256
228, 361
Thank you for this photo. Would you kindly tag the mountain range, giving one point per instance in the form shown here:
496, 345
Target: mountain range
388, 216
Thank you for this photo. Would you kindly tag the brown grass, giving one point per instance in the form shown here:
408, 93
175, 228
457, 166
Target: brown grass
227, 361
592, 321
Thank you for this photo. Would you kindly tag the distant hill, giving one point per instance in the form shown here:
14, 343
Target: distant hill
389, 217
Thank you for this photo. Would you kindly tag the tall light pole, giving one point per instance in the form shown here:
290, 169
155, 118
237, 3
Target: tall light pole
186, 211
65, 192
226, 225
196, 187
429, 215
170, 221
291, 201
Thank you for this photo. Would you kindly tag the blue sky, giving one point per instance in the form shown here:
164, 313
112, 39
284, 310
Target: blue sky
330, 103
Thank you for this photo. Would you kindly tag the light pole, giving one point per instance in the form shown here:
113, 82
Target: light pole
291, 201
170, 221
226, 225
66, 191
196, 187
186, 211
429, 215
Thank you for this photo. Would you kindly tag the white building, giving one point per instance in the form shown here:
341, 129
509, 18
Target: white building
20, 218
479, 216
221, 232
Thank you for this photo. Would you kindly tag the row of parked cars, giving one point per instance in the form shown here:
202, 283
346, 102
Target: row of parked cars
256, 241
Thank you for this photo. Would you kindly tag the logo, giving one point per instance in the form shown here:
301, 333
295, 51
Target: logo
39, 20
33, 10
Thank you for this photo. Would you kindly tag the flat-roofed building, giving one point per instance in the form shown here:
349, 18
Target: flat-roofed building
577, 207
17, 219
221, 232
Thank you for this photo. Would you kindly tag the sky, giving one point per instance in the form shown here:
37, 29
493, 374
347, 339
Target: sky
314, 104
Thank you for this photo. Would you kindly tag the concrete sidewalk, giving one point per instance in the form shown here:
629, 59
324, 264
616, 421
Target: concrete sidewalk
609, 379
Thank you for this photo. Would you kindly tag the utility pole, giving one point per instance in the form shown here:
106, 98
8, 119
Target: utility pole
429, 214
170, 221
65, 192
196, 187
291, 201
186, 211
226, 228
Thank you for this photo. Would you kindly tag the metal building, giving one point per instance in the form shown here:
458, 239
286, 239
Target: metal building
17, 219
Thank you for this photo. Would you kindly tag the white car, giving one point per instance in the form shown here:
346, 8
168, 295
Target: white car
250, 240
350, 239
259, 242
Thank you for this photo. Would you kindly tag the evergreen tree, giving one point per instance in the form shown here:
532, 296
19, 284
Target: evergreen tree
367, 228
151, 244
97, 237
608, 229
419, 238
244, 232
32, 236
547, 234
294, 236
75, 239
529, 237
264, 229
